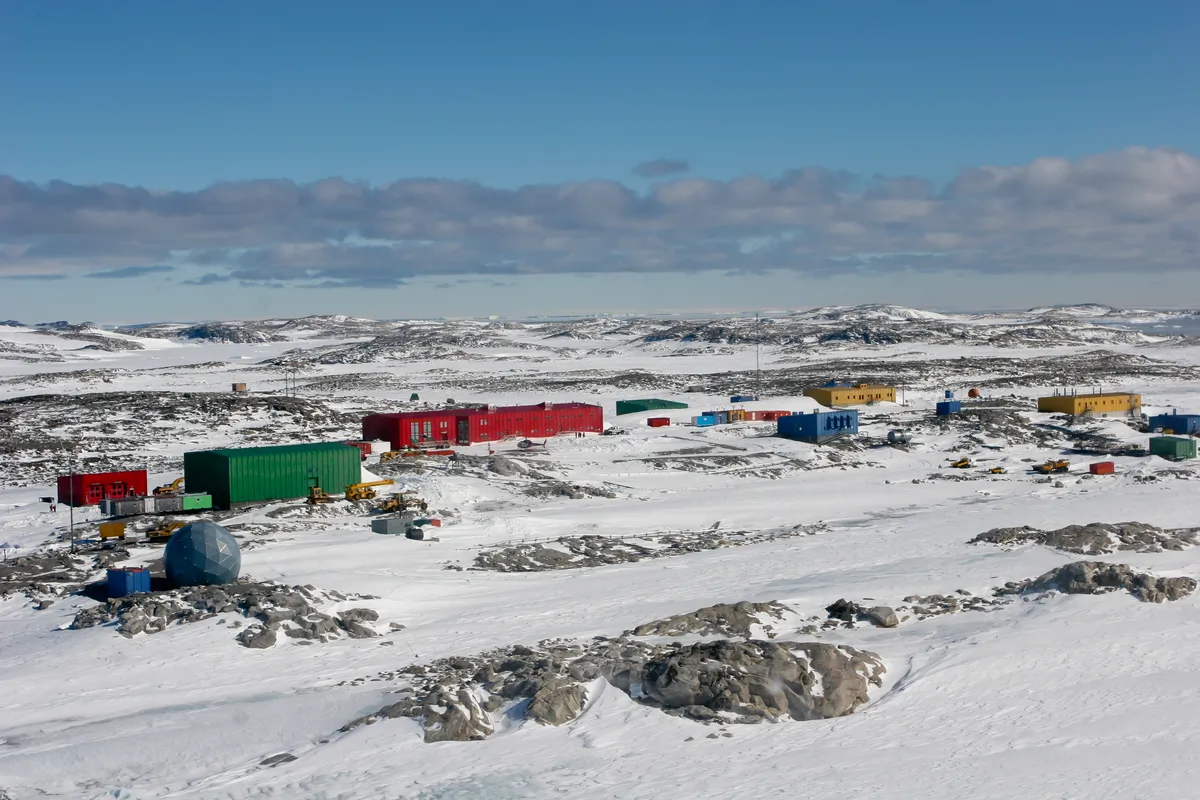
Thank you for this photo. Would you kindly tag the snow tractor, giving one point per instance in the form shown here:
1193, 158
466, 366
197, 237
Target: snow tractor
998, 471
401, 502
962, 463
364, 491
317, 495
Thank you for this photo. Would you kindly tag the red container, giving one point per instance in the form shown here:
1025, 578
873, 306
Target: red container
437, 523
364, 447
1102, 468
89, 488
659, 422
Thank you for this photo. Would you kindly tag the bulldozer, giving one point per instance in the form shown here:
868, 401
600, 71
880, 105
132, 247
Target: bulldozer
401, 502
1053, 465
998, 471
317, 495
365, 491
962, 463
174, 487
390, 455
163, 531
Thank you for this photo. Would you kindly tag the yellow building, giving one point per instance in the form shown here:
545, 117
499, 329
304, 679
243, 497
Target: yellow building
1117, 403
856, 395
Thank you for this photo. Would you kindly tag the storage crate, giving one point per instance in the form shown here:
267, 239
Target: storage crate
704, 421
1102, 468
659, 422
128, 580
1173, 448
392, 526
196, 502
112, 530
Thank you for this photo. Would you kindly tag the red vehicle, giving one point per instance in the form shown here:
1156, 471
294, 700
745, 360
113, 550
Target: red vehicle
465, 426
89, 488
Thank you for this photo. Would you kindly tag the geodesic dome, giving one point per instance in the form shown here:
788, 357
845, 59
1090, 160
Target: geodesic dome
202, 554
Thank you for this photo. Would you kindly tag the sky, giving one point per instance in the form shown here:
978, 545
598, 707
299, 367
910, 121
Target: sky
230, 160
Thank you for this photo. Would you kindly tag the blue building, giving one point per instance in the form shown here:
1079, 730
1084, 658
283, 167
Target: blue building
948, 407
818, 426
1182, 424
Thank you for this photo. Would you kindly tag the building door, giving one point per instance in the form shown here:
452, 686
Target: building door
414, 432
428, 432
464, 430
117, 491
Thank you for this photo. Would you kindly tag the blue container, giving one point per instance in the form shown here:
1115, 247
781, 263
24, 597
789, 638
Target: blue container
819, 426
949, 395
722, 417
1182, 424
742, 398
948, 407
127, 581
704, 420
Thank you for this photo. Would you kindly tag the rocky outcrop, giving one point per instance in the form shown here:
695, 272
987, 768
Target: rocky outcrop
882, 617
577, 552
1096, 577
724, 680
1096, 538
290, 609
723, 619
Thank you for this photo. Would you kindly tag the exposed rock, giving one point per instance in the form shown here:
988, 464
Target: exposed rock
1096, 538
556, 702
276, 760
576, 552
844, 610
723, 619
507, 467
881, 617
257, 638
723, 680
1096, 577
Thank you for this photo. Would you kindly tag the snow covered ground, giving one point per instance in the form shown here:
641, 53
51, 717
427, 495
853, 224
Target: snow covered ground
1054, 696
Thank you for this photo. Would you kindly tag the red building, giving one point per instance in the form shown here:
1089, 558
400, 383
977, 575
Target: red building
482, 424
88, 489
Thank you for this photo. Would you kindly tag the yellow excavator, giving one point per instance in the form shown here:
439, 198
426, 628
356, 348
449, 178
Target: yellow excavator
1053, 465
174, 487
163, 531
365, 491
401, 502
962, 463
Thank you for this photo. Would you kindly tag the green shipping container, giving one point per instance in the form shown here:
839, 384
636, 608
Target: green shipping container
1173, 448
254, 474
196, 502
634, 406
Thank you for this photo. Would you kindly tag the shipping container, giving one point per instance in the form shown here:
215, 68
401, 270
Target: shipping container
128, 580
364, 448
948, 407
649, 404
743, 398
704, 420
482, 424
818, 426
949, 395
659, 422
722, 417
1182, 424
196, 502
129, 507
239, 388
1173, 448
1102, 468
166, 504
256, 474
393, 526
88, 489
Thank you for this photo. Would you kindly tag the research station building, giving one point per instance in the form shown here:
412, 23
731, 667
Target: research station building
1100, 404
851, 394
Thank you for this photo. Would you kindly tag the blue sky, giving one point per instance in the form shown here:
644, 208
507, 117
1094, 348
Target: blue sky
570, 96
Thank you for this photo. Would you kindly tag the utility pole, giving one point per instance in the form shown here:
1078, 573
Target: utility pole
71, 495
757, 361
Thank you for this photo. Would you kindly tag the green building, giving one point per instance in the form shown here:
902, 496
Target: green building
254, 474
1173, 448
634, 406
